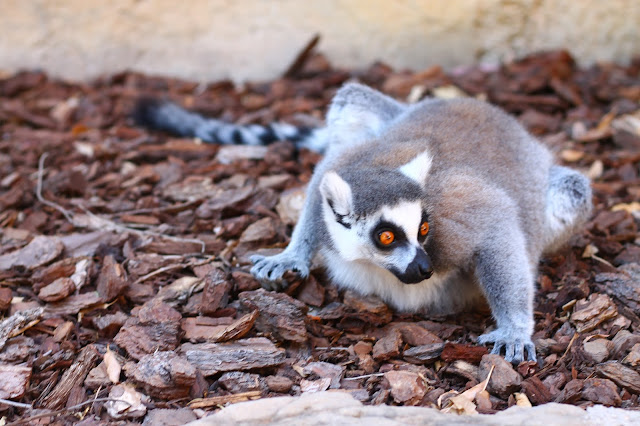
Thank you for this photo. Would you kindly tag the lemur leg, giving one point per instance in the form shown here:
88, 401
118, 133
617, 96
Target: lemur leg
299, 253
568, 204
296, 257
504, 273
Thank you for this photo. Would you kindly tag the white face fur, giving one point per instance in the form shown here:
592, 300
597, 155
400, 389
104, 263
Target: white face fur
355, 242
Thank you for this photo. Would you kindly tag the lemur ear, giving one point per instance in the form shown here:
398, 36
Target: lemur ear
337, 192
358, 112
418, 168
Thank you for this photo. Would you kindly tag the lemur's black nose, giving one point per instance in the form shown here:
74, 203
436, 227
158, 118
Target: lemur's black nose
418, 270
425, 270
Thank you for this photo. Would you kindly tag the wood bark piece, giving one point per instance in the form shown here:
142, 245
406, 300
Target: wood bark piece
73, 304
298, 64
536, 391
624, 286
415, 335
469, 353
126, 402
239, 381
280, 384
40, 251
407, 387
224, 399
6, 295
504, 379
326, 370
423, 354
623, 376
601, 391
388, 347
108, 325
241, 355
215, 294
57, 290
9, 327
14, 380
164, 375
201, 329
156, 327
369, 309
74, 376
571, 393
278, 314
112, 280
591, 312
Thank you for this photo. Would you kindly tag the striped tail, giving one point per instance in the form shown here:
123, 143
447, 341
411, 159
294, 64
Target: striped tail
169, 117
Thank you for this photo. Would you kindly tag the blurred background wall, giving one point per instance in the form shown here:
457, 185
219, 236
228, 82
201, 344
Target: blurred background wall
258, 39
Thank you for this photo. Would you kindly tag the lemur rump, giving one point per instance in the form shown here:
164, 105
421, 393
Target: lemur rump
433, 207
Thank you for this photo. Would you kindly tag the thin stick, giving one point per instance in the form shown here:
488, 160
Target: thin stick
64, 410
15, 404
365, 376
101, 223
44, 201
160, 271
302, 57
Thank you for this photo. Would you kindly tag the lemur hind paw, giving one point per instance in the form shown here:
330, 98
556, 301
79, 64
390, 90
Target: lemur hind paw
269, 270
514, 344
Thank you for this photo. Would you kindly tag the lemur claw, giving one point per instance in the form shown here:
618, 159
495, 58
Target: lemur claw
514, 345
269, 270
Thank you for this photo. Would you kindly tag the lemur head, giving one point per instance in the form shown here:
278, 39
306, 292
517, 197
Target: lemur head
377, 215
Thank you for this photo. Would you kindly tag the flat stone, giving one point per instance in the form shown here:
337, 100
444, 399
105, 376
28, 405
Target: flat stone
340, 408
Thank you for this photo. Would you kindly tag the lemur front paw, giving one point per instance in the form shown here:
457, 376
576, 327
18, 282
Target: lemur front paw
269, 270
514, 344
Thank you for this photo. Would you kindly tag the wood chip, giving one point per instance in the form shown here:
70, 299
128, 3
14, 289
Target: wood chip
14, 380
621, 375
591, 312
222, 400
388, 347
18, 322
242, 355
40, 251
470, 353
164, 374
71, 378
504, 379
57, 290
278, 314
407, 387
601, 391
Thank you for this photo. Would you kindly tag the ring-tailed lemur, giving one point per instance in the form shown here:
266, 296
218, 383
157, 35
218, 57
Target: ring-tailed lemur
432, 206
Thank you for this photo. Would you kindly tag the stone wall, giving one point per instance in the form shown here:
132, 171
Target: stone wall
257, 39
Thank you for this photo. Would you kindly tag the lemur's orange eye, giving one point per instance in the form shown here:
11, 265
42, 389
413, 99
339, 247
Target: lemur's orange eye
424, 228
386, 238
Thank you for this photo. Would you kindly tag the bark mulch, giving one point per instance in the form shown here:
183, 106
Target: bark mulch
124, 282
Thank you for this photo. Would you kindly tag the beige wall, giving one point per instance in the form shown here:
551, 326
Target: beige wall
257, 39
